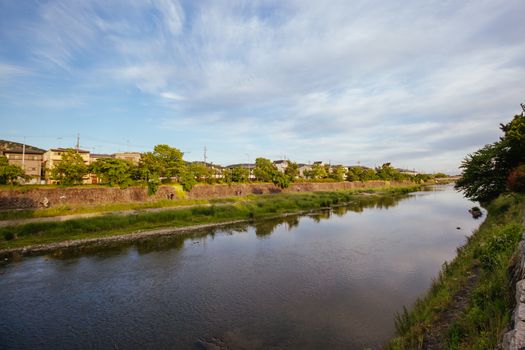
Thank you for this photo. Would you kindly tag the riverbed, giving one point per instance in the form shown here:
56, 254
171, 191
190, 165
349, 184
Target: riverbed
330, 280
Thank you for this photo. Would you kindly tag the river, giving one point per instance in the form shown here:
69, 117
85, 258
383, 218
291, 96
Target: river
332, 280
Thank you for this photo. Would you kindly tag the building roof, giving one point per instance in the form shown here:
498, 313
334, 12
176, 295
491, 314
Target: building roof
16, 147
242, 165
60, 149
101, 155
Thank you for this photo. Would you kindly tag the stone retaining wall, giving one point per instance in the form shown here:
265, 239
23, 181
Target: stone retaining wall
515, 338
33, 198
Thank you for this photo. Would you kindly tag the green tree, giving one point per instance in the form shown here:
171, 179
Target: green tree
70, 169
264, 170
113, 171
338, 173
240, 174
187, 179
281, 180
316, 172
481, 178
485, 172
9, 173
202, 172
292, 170
387, 172
165, 161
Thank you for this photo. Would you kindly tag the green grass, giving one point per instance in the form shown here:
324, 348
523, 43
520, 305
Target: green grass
252, 207
489, 253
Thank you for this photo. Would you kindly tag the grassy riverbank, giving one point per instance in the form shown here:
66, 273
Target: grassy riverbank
468, 304
253, 207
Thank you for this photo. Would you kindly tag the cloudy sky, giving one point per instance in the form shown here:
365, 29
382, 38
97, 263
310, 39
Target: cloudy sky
418, 83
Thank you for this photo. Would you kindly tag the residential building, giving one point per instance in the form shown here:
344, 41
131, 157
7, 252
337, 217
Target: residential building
53, 156
29, 158
281, 165
133, 157
303, 168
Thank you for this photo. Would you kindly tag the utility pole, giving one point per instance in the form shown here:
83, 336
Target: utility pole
205, 155
24, 155
78, 141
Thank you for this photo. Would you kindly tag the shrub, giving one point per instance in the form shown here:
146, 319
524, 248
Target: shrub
516, 179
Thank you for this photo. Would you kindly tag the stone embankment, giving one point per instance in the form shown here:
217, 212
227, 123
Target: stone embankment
515, 338
33, 198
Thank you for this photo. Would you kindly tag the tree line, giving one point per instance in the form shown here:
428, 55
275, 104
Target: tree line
166, 164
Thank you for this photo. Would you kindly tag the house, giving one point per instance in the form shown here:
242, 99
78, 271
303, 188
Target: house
29, 158
53, 156
303, 168
281, 165
133, 157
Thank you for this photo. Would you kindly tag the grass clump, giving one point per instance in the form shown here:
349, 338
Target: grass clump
481, 272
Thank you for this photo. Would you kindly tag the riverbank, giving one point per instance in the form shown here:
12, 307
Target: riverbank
39, 235
468, 305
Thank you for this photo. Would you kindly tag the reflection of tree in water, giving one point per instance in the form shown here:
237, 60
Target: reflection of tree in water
323, 215
263, 228
266, 227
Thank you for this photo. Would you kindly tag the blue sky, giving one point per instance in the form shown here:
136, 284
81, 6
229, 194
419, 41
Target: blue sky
417, 83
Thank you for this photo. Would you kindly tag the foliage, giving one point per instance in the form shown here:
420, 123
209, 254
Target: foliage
358, 173
201, 172
113, 171
153, 186
387, 172
164, 161
516, 179
292, 170
187, 180
281, 180
236, 174
71, 168
317, 172
486, 171
9, 173
264, 170
338, 173
481, 178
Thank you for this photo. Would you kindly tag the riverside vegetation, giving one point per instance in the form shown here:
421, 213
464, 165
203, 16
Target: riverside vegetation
251, 208
470, 302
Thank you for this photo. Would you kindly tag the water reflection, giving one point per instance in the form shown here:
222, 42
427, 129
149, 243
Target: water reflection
263, 229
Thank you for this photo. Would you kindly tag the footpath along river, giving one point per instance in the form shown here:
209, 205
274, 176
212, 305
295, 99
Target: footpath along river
332, 280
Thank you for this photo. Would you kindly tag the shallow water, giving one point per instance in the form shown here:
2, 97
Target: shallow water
327, 281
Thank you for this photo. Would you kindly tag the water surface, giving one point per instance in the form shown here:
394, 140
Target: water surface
328, 281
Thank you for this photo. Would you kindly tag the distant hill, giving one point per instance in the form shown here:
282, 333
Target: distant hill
16, 146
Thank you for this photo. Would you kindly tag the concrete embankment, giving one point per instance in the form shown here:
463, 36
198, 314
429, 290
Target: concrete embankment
514, 339
33, 198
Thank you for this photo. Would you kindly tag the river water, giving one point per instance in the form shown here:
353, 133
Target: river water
327, 281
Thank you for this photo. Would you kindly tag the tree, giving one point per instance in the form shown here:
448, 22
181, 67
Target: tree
164, 161
201, 171
9, 173
187, 179
485, 173
71, 168
239, 174
317, 172
113, 171
387, 172
516, 179
264, 170
281, 180
292, 170
338, 173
